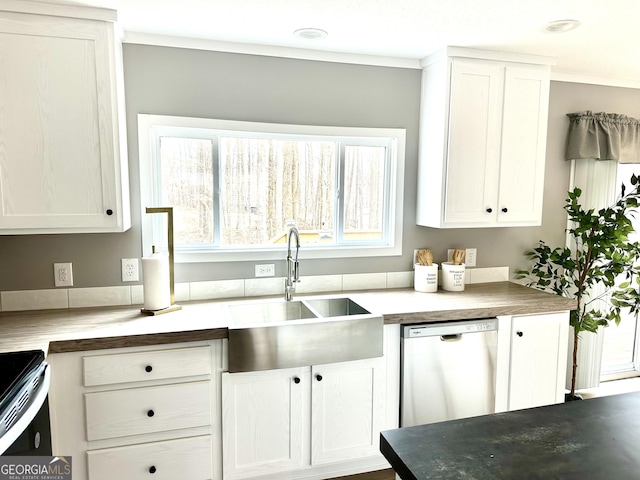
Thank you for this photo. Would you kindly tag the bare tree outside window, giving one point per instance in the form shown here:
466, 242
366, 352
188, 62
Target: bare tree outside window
187, 185
265, 184
364, 192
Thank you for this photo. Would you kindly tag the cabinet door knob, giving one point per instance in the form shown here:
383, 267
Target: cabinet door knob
148, 368
319, 377
150, 413
519, 334
505, 209
296, 379
489, 210
109, 212
152, 469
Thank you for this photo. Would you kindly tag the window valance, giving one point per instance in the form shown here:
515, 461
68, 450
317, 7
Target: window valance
603, 136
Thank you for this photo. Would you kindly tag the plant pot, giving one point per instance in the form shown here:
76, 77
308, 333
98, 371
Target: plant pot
569, 398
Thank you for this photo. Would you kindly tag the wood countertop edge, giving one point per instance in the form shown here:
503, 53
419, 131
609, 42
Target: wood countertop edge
473, 313
140, 340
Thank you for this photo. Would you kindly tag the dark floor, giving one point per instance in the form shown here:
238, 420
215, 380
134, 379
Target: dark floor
379, 475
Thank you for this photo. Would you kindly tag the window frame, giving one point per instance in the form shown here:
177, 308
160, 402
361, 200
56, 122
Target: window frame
198, 127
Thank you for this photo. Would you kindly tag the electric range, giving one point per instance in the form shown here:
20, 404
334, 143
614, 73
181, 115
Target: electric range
24, 410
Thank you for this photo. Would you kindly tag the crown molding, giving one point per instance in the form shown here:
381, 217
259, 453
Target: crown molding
59, 10
268, 50
573, 77
557, 75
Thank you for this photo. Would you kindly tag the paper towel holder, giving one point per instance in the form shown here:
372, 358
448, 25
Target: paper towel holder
173, 307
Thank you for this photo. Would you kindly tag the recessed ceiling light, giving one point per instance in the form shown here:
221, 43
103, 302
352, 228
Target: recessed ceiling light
310, 33
561, 26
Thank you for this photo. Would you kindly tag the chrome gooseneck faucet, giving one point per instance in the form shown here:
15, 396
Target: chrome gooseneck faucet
293, 274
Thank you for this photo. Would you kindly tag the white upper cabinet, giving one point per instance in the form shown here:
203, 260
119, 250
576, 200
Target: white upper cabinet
483, 132
63, 164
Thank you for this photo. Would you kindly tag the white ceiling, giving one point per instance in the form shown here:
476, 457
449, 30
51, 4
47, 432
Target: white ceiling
606, 46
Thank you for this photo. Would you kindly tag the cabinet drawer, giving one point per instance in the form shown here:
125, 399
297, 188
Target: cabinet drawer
137, 411
152, 365
186, 459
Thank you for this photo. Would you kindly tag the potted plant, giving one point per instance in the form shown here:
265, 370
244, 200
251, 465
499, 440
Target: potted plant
599, 268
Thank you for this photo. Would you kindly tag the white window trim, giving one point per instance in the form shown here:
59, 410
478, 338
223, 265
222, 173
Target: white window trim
146, 121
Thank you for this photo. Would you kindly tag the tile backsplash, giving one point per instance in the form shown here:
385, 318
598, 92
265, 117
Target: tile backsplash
60, 298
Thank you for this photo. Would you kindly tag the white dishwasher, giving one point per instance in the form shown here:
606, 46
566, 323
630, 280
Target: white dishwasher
448, 370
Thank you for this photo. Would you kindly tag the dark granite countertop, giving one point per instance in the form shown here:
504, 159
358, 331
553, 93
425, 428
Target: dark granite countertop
596, 439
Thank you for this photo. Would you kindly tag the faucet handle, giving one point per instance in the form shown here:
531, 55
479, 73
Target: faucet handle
296, 271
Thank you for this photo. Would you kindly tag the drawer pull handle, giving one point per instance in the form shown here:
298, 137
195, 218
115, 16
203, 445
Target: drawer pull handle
489, 210
505, 209
150, 413
519, 334
109, 212
152, 469
319, 377
148, 368
296, 379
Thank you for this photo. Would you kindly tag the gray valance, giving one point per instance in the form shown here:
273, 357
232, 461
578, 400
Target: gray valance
603, 136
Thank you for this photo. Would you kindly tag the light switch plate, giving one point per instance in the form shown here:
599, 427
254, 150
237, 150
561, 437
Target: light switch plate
471, 257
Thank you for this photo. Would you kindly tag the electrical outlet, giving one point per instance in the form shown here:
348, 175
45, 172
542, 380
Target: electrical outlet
130, 271
470, 257
62, 275
266, 270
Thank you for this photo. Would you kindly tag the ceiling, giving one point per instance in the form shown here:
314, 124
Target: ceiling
604, 47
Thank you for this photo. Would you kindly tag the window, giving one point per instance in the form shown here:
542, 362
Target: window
237, 187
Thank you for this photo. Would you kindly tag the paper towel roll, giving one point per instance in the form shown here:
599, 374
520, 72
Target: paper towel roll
155, 282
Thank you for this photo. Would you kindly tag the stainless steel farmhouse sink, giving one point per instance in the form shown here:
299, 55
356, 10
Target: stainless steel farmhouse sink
280, 334
336, 307
260, 313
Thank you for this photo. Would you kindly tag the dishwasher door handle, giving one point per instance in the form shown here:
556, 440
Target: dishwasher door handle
451, 338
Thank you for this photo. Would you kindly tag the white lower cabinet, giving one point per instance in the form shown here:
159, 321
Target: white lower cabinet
347, 410
538, 360
532, 360
280, 420
262, 421
142, 412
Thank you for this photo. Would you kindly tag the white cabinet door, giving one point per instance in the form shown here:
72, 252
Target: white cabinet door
263, 421
62, 167
538, 360
524, 134
482, 151
347, 411
473, 164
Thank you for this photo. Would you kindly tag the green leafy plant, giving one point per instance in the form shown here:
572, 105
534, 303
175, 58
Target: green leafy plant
600, 267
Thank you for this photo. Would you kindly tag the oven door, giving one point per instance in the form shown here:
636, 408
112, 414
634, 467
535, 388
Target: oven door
31, 433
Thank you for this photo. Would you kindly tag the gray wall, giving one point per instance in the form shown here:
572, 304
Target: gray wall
183, 82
